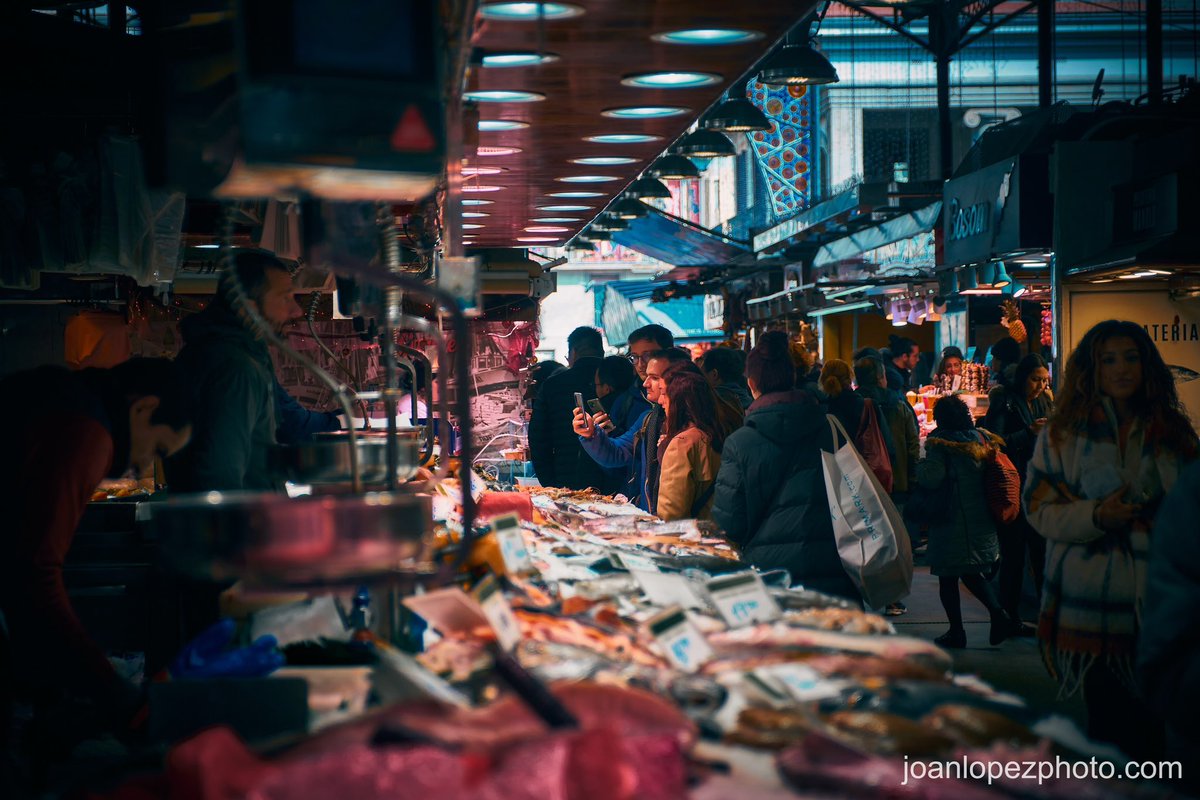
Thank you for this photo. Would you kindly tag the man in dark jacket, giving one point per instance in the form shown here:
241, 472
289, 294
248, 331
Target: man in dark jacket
901, 357
558, 459
75, 429
638, 446
233, 382
725, 370
1169, 643
770, 497
295, 423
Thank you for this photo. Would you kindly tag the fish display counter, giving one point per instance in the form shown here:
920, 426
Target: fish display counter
585, 649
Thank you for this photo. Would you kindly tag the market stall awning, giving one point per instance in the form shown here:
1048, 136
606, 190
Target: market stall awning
862, 242
627, 305
677, 242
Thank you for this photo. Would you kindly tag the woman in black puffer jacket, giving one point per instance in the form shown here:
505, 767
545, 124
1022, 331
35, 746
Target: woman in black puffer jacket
770, 497
1017, 413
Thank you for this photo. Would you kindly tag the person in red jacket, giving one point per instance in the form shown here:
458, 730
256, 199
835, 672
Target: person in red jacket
64, 433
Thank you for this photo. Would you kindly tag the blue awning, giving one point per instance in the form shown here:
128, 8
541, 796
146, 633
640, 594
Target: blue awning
679, 243
627, 306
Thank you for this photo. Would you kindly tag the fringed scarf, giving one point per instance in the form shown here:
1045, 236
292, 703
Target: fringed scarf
1093, 592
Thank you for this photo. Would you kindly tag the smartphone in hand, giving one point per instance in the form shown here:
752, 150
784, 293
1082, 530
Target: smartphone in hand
596, 407
579, 402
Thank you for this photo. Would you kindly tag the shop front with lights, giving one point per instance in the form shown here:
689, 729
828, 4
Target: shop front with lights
879, 281
997, 229
1128, 246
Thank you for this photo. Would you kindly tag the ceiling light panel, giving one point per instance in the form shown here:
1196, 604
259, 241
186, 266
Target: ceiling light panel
671, 80
501, 125
517, 59
707, 36
622, 138
529, 12
645, 112
604, 161
503, 96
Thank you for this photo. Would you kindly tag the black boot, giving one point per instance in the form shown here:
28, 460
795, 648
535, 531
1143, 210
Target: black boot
955, 638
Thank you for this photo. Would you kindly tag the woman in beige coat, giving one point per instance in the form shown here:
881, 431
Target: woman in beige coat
689, 451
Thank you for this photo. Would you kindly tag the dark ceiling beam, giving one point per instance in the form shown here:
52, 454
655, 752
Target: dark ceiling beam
890, 24
966, 40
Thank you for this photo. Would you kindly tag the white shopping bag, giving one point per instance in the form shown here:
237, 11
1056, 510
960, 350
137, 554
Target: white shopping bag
871, 538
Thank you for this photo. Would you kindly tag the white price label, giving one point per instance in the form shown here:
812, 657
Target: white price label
510, 537
742, 599
684, 646
802, 683
498, 612
632, 561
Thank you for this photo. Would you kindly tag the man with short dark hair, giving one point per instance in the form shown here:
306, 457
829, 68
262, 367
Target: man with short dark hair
557, 456
644, 342
75, 429
725, 369
638, 446
233, 381
902, 355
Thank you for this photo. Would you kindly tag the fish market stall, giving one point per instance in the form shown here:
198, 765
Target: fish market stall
584, 649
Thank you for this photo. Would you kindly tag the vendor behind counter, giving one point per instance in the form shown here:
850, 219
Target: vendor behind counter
68, 431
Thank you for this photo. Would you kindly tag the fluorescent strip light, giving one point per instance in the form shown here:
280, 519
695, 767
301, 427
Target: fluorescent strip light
822, 312
842, 292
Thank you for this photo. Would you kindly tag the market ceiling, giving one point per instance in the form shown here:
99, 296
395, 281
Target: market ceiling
580, 88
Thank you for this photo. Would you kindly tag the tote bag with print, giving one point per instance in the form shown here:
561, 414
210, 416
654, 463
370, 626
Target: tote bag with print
871, 539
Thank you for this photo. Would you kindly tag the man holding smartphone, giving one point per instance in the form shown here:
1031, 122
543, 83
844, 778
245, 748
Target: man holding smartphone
558, 458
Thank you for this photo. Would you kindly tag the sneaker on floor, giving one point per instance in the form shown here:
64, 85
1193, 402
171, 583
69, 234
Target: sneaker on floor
896, 609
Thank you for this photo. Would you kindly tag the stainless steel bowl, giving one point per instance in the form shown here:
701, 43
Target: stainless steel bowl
271, 539
325, 460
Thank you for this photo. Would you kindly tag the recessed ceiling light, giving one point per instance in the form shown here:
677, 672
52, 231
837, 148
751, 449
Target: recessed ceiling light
546, 229
477, 202
501, 125
588, 178
538, 238
504, 96
604, 161
481, 187
671, 80
474, 214
488, 152
529, 11
517, 59
622, 138
707, 36
575, 194
470, 225
557, 219
481, 171
565, 208
645, 112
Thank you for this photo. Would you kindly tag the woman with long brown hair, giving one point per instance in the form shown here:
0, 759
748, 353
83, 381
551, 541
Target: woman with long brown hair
1113, 447
690, 448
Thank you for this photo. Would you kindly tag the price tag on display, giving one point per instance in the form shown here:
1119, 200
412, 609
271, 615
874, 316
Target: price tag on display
742, 599
633, 561
498, 612
510, 537
802, 683
478, 487
684, 646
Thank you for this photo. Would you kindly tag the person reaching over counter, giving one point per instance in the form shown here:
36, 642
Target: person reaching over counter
84, 427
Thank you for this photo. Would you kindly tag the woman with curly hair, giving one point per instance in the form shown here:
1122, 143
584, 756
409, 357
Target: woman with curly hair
1113, 447
689, 451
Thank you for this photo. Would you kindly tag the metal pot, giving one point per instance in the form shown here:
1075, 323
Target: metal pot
326, 459
271, 539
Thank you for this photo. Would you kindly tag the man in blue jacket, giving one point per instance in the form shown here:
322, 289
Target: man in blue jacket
638, 446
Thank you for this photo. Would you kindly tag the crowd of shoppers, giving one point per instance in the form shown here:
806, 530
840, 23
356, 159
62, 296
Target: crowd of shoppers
737, 438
